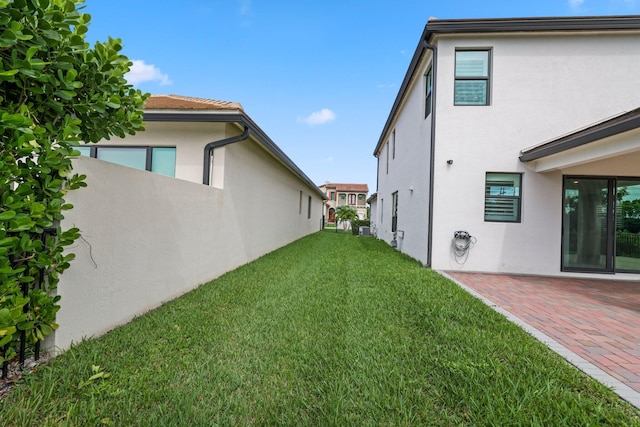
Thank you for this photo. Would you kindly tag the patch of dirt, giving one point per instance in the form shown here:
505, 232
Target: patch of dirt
15, 372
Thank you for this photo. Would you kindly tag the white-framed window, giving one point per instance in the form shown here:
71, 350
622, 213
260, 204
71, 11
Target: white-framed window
503, 197
309, 209
472, 77
352, 199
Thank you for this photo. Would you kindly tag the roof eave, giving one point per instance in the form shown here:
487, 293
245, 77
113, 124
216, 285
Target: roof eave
573, 23
614, 126
215, 116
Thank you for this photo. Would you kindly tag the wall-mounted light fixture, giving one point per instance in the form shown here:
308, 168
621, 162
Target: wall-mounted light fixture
449, 162
411, 188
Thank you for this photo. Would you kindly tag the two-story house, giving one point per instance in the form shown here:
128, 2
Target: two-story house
513, 146
354, 195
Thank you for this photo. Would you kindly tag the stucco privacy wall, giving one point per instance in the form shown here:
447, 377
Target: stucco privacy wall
148, 238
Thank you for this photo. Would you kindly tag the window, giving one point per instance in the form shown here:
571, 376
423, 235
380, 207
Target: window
428, 92
309, 209
381, 211
394, 211
352, 199
393, 144
133, 157
387, 157
502, 197
300, 205
84, 150
332, 195
163, 160
160, 160
472, 77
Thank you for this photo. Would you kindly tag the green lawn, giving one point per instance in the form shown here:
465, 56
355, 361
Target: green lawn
331, 330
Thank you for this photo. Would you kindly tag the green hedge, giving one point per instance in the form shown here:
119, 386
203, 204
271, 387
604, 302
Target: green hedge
357, 223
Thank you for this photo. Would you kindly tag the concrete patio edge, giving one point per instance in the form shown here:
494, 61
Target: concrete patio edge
622, 390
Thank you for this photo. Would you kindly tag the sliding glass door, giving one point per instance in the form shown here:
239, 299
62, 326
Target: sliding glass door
601, 224
628, 225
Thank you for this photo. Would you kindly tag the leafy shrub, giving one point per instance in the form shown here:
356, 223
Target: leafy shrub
357, 223
55, 91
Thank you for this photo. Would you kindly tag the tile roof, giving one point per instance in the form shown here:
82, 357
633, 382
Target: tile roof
177, 102
357, 188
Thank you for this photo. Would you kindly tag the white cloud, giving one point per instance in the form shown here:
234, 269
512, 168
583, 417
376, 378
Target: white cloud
141, 72
575, 4
245, 7
319, 117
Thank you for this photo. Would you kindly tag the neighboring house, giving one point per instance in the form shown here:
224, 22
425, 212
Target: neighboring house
354, 195
148, 238
183, 133
513, 146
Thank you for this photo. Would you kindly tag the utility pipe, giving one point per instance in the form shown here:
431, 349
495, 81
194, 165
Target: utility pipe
208, 149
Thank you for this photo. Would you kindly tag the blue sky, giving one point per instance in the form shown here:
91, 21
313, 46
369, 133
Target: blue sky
319, 77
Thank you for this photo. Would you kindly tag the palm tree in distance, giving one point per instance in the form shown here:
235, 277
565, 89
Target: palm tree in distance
345, 214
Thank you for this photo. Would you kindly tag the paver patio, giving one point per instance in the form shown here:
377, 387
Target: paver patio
597, 320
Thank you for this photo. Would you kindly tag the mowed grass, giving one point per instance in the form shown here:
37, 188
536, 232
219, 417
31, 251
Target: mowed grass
332, 330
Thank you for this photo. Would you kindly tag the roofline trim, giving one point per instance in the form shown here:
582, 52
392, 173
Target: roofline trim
239, 118
571, 23
614, 126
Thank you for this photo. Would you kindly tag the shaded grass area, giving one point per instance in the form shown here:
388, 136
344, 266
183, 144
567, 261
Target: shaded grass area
331, 330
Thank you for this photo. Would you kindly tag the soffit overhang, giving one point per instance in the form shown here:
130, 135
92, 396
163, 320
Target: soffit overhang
615, 136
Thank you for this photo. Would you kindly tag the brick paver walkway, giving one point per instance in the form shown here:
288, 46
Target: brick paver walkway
599, 320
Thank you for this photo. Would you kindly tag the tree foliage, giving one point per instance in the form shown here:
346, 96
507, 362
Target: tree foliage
345, 214
55, 91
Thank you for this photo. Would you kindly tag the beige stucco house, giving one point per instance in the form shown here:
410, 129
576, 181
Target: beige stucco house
354, 195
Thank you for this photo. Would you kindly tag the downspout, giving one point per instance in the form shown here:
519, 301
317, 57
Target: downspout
208, 149
434, 67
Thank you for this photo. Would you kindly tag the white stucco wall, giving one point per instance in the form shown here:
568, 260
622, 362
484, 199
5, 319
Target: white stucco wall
408, 174
148, 238
542, 88
373, 212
